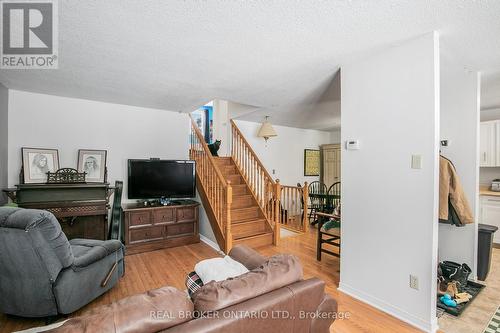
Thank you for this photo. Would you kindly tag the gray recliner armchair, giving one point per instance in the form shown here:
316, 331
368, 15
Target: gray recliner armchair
43, 274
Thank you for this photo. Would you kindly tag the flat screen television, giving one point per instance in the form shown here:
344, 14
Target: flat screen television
153, 179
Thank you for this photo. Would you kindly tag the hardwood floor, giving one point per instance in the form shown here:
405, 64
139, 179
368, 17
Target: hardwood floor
169, 267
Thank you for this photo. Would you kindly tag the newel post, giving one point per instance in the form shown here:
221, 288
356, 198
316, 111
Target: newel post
229, 201
277, 212
305, 200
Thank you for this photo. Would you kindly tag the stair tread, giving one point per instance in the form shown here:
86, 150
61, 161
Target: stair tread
251, 234
243, 195
253, 206
258, 219
233, 208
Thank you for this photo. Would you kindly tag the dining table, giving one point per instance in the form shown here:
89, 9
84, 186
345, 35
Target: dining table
326, 202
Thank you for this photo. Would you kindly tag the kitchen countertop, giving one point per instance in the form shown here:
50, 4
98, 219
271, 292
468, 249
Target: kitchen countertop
485, 190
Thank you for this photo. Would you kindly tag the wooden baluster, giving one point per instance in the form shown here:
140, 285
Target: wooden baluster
251, 173
277, 193
282, 205
214, 196
229, 200
288, 203
305, 197
232, 141
271, 198
246, 161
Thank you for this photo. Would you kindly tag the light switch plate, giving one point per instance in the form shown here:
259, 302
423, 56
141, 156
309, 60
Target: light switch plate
416, 161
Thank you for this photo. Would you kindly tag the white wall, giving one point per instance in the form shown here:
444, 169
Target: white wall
69, 124
4, 140
390, 103
335, 136
221, 125
460, 125
284, 153
487, 174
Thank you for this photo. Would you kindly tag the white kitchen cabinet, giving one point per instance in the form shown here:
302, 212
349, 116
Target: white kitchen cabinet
490, 213
489, 144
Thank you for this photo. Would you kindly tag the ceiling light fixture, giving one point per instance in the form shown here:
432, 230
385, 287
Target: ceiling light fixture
266, 130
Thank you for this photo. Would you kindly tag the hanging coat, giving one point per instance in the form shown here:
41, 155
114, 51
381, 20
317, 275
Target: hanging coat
453, 205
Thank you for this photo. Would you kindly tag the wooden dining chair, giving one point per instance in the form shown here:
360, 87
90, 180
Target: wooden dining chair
329, 237
317, 203
334, 195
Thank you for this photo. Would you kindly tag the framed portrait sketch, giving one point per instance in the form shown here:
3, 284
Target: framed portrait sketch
37, 162
93, 162
311, 162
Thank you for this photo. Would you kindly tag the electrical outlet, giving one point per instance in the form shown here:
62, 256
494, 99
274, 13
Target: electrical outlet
413, 282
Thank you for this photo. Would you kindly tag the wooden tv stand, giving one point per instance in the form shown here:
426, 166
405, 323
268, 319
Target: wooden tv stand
149, 228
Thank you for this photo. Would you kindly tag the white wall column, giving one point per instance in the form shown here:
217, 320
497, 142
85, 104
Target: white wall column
222, 127
390, 103
460, 125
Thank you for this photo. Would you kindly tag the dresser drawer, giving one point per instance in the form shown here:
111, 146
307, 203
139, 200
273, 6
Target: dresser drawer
140, 218
186, 214
180, 229
146, 234
163, 216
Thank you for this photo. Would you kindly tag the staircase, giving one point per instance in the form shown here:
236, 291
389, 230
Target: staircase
243, 203
239, 196
248, 224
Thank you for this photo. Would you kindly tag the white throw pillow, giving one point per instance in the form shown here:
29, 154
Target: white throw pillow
219, 269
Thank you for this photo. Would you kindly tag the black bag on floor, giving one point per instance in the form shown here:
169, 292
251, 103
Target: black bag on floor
453, 271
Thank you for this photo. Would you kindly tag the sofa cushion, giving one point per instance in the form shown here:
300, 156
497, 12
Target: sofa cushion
152, 311
280, 270
218, 269
250, 258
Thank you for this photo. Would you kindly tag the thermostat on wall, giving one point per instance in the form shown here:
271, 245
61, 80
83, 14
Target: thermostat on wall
352, 145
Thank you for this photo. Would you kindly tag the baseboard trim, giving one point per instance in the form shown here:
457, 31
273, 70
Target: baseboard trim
388, 308
210, 243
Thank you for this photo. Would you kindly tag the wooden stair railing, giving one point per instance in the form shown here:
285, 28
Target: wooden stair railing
264, 189
215, 189
294, 206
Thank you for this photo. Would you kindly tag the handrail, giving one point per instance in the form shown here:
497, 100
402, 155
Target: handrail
262, 186
216, 189
207, 151
233, 125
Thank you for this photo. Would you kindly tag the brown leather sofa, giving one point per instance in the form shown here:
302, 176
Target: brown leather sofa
272, 297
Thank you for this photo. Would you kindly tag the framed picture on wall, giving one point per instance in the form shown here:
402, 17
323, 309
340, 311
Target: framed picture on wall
311, 162
37, 162
93, 162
